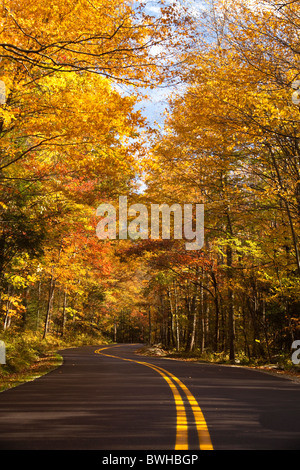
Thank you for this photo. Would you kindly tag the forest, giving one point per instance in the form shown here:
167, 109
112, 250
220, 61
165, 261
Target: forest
77, 77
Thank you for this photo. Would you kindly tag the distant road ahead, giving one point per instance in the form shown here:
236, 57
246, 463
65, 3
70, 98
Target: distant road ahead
110, 398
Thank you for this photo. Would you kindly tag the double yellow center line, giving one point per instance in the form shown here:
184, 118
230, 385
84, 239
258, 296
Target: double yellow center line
182, 424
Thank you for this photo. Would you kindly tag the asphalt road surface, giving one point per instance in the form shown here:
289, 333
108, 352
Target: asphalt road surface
111, 398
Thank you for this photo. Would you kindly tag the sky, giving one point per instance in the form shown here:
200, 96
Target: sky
155, 107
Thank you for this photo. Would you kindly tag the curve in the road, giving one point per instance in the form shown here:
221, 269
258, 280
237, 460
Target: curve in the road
182, 425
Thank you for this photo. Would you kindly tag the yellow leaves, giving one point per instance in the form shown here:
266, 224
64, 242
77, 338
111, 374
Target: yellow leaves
84, 107
75, 123
22, 281
6, 116
12, 305
110, 38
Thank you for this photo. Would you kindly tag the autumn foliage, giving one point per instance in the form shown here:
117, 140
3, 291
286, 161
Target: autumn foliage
72, 136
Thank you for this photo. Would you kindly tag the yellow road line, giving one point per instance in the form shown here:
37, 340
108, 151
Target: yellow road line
182, 425
202, 429
181, 419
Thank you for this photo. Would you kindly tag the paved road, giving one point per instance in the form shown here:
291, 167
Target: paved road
113, 399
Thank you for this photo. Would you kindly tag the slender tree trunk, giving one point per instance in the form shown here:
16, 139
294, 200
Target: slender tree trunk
25, 302
38, 307
115, 331
176, 318
217, 313
150, 325
7, 319
173, 341
264, 323
49, 306
231, 335
64, 314
247, 348
201, 317
194, 328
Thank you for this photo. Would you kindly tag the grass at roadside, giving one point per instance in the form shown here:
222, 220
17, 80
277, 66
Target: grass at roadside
41, 366
28, 356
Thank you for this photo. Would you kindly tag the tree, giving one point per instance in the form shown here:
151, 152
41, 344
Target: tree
99, 37
231, 142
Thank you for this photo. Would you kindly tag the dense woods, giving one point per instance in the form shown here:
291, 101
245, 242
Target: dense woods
73, 135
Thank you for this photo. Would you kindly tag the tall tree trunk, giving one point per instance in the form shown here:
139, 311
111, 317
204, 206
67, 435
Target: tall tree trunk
172, 315
176, 317
194, 328
231, 335
201, 317
49, 306
38, 307
217, 312
150, 325
25, 303
7, 319
64, 314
